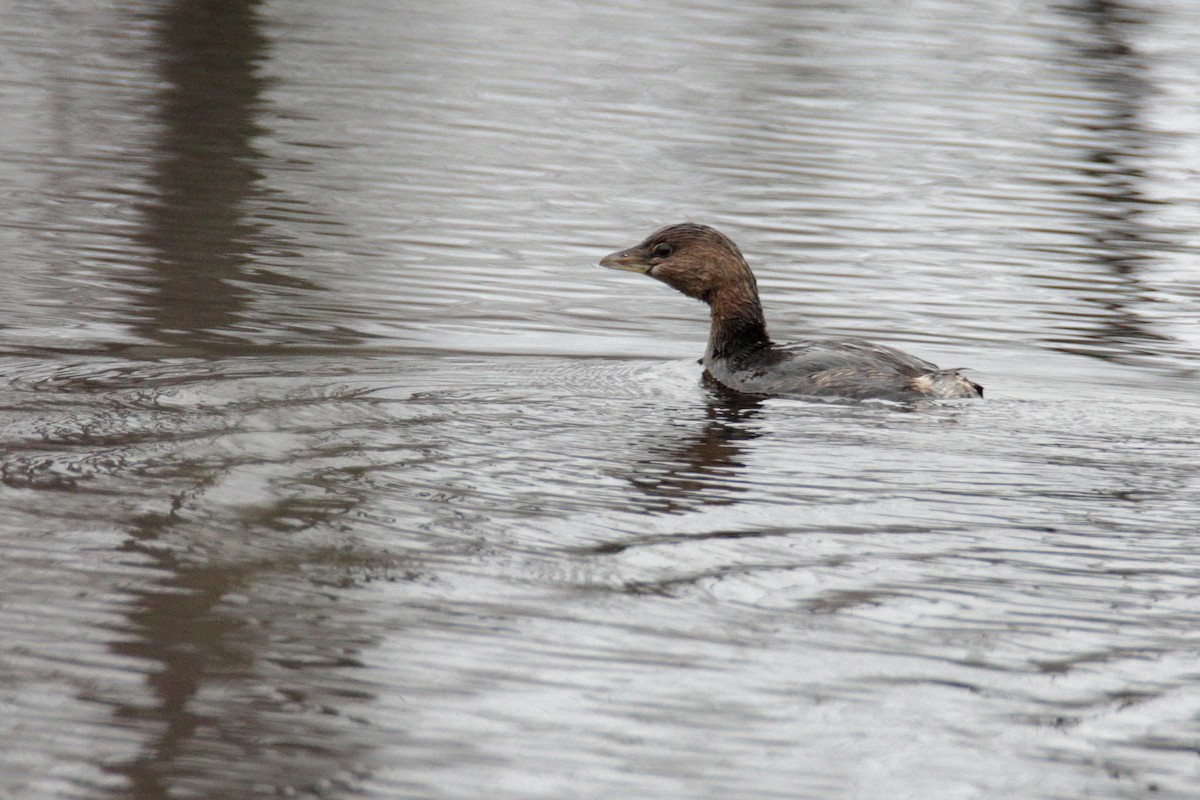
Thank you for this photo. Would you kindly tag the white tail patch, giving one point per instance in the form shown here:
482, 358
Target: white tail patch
946, 383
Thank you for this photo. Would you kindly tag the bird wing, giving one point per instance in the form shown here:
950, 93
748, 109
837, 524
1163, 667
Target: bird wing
850, 368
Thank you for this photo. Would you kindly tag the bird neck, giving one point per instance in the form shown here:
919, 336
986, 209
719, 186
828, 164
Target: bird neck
737, 319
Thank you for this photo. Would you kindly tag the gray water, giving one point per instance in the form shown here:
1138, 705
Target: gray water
334, 467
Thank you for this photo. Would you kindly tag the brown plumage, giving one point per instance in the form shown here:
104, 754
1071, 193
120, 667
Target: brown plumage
705, 264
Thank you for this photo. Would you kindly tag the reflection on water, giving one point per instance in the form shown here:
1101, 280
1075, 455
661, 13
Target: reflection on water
333, 467
686, 468
205, 286
205, 173
1122, 243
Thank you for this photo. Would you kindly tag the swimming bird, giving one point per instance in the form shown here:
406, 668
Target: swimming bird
706, 265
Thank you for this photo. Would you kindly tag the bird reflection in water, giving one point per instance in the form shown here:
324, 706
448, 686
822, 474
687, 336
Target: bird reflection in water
680, 474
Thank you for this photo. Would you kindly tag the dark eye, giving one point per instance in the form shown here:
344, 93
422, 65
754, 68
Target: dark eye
663, 250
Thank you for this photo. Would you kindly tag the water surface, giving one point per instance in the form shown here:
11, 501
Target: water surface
334, 467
